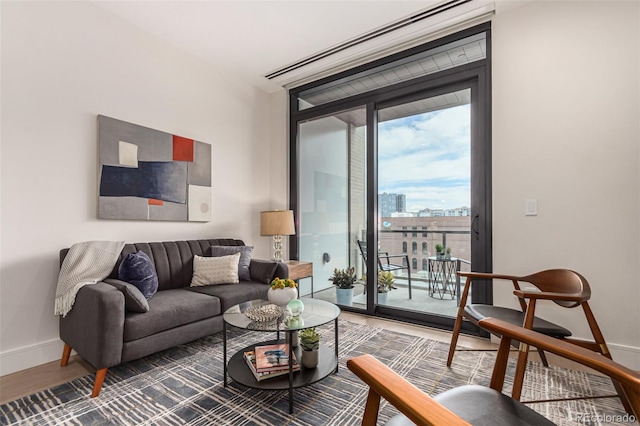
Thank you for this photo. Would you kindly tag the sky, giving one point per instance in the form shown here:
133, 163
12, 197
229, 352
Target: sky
427, 158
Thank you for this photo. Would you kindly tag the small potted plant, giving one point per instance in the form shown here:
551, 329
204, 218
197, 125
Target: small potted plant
448, 253
439, 251
386, 283
344, 280
310, 344
282, 291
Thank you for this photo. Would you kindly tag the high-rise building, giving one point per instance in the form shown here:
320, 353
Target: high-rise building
391, 203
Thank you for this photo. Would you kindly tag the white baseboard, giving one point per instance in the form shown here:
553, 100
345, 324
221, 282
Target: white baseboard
626, 355
30, 356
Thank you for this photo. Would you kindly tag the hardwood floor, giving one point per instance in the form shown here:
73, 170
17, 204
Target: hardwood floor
26, 382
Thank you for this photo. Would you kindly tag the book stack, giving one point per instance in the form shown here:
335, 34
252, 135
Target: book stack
270, 361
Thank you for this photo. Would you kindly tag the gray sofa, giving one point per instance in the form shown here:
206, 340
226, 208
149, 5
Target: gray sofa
104, 333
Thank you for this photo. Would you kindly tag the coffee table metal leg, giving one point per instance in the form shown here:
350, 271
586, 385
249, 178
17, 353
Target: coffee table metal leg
224, 350
290, 339
335, 329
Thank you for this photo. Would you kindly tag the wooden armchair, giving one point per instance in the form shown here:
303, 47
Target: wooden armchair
565, 288
478, 405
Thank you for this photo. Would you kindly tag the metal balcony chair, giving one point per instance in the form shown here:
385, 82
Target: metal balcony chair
474, 404
564, 287
385, 263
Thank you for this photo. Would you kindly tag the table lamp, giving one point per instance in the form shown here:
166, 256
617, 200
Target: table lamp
277, 223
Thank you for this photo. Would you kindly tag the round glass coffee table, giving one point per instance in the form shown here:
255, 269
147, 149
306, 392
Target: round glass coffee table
316, 313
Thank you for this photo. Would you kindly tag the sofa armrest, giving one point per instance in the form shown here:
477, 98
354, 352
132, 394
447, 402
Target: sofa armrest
94, 327
264, 271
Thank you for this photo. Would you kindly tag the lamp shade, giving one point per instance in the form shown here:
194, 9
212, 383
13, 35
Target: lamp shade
277, 222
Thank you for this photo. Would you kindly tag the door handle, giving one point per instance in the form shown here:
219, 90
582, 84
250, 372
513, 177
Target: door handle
474, 226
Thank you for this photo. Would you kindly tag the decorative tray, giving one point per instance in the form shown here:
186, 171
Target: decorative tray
264, 313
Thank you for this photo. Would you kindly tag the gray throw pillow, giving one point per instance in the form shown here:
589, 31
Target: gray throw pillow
245, 258
262, 271
134, 300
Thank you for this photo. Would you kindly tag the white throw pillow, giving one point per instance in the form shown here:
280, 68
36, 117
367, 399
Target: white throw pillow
215, 270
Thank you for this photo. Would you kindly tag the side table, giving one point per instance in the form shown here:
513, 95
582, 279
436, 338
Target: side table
445, 271
299, 269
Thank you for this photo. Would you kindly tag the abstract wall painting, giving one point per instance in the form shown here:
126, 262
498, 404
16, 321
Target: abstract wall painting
146, 174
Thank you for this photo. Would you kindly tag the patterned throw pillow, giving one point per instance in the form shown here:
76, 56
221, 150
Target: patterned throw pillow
137, 269
215, 270
245, 258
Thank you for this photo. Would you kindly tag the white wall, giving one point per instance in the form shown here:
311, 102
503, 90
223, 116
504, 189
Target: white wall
63, 63
566, 132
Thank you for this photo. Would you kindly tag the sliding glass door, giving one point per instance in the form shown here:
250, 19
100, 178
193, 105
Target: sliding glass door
424, 199
331, 195
390, 161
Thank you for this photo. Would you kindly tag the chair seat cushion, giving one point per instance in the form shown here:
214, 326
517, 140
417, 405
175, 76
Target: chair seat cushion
478, 312
482, 406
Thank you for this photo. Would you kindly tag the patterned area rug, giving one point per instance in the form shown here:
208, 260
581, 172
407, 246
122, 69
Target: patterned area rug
183, 385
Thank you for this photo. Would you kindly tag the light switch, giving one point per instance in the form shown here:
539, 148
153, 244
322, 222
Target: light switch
531, 207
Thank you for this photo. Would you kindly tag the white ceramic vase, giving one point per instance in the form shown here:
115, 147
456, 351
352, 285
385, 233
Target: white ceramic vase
282, 296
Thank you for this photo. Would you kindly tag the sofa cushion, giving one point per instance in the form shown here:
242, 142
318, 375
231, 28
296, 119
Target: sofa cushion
232, 294
243, 263
169, 309
137, 269
134, 300
215, 270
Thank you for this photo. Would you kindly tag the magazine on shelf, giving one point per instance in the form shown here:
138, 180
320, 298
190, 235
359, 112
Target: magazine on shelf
250, 357
273, 357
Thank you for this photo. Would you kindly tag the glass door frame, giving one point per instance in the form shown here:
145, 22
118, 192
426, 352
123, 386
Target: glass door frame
475, 75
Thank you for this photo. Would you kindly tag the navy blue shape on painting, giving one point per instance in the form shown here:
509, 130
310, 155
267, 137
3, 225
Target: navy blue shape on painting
165, 181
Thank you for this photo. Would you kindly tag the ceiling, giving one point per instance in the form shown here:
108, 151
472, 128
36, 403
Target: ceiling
249, 39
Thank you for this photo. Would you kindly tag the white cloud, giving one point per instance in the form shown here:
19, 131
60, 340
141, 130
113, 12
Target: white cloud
427, 157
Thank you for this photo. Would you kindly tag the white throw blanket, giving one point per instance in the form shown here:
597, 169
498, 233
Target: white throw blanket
86, 263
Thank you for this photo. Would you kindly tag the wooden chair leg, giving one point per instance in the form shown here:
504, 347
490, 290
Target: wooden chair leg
97, 385
370, 416
604, 350
500, 366
595, 330
543, 358
66, 352
458, 325
454, 337
518, 376
523, 354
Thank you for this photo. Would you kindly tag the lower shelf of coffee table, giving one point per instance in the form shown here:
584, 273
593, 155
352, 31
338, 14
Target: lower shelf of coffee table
239, 371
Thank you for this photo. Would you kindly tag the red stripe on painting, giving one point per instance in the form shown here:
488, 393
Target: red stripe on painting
182, 149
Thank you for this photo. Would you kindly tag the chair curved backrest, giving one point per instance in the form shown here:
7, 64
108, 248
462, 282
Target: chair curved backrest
563, 281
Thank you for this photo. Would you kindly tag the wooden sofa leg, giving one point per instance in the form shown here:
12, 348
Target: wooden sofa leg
65, 355
97, 385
